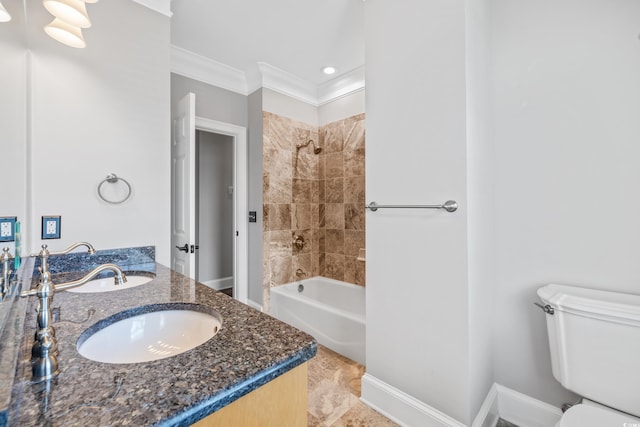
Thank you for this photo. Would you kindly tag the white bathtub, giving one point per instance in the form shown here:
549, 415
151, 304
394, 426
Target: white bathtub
329, 310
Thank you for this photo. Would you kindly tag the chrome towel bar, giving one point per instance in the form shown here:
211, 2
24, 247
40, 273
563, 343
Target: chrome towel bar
449, 206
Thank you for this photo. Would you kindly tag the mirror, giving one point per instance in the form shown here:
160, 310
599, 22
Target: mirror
13, 120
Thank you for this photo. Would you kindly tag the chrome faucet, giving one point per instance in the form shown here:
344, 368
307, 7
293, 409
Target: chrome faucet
89, 247
45, 349
45, 253
5, 259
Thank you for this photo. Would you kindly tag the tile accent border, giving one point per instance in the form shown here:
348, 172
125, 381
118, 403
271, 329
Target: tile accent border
401, 407
515, 407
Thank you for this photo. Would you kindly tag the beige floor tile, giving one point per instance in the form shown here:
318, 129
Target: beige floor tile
313, 421
330, 365
329, 401
334, 391
363, 416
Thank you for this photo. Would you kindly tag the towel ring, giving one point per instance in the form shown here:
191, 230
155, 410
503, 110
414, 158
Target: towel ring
112, 178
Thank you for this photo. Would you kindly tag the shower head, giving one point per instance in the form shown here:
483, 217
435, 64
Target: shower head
316, 149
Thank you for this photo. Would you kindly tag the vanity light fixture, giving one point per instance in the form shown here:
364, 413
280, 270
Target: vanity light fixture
70, 17
65, 33
4, 15
72, 12
329, 70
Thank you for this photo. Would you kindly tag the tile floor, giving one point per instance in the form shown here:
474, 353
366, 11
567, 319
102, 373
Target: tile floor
334, 393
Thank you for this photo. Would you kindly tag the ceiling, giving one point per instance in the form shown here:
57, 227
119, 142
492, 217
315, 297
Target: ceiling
297, 36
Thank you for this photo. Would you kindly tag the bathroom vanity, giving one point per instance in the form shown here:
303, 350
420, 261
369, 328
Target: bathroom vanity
252, 372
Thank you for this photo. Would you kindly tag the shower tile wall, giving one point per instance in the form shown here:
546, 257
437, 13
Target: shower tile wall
343, 179
320, 197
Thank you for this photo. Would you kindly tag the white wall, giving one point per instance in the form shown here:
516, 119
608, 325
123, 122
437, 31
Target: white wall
214, 206
211, 102
99, 110
332, 111
566, 102
341, 108
417, 296
480, 220
256, 291
286, 106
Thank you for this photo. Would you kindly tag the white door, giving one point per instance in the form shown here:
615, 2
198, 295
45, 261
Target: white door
183, 180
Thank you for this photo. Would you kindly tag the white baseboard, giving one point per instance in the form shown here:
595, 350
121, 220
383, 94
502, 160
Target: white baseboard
219, 284
489, 413
501, 402
401, 407
254, 304
517, 408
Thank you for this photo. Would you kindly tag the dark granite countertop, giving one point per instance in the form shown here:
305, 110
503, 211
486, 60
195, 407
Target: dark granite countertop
250, 350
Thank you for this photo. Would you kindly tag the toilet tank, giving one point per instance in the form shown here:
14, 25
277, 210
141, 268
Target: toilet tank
594, 337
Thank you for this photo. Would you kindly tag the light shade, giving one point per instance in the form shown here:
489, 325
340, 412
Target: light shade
4, 15
65, 33
73, 12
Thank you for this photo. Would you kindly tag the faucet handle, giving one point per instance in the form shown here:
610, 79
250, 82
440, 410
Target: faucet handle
120, 279
42, 252
6, 255
298, 242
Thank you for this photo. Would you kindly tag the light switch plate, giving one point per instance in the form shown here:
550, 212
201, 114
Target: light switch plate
51, 227
7, 229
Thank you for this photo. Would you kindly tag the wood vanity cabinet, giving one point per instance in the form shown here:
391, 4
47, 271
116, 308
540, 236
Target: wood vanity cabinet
282, 402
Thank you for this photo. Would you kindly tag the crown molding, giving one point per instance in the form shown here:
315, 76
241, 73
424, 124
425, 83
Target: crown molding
341, 86
288, 84
160, 6
198, 67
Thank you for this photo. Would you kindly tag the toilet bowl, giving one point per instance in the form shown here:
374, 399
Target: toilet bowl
588, 414
594, 340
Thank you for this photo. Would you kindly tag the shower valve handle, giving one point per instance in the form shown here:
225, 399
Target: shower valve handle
298, 242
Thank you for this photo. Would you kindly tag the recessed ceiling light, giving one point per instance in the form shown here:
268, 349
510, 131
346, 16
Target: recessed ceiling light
329, 70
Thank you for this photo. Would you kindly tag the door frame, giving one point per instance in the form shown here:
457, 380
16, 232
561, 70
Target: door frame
240, 200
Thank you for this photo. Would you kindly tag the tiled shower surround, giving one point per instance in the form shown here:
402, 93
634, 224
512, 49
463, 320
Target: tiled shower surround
317, 196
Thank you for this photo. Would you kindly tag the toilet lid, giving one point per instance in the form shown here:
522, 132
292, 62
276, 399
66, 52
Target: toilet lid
589, 416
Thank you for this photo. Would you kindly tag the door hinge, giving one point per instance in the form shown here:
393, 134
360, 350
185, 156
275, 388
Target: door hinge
237, 234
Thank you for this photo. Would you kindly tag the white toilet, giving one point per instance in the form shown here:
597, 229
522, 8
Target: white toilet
595, 352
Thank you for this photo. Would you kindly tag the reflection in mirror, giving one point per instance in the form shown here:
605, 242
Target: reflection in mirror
13, 119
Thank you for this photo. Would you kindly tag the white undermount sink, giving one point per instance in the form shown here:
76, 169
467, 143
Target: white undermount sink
107, 284
164, 331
